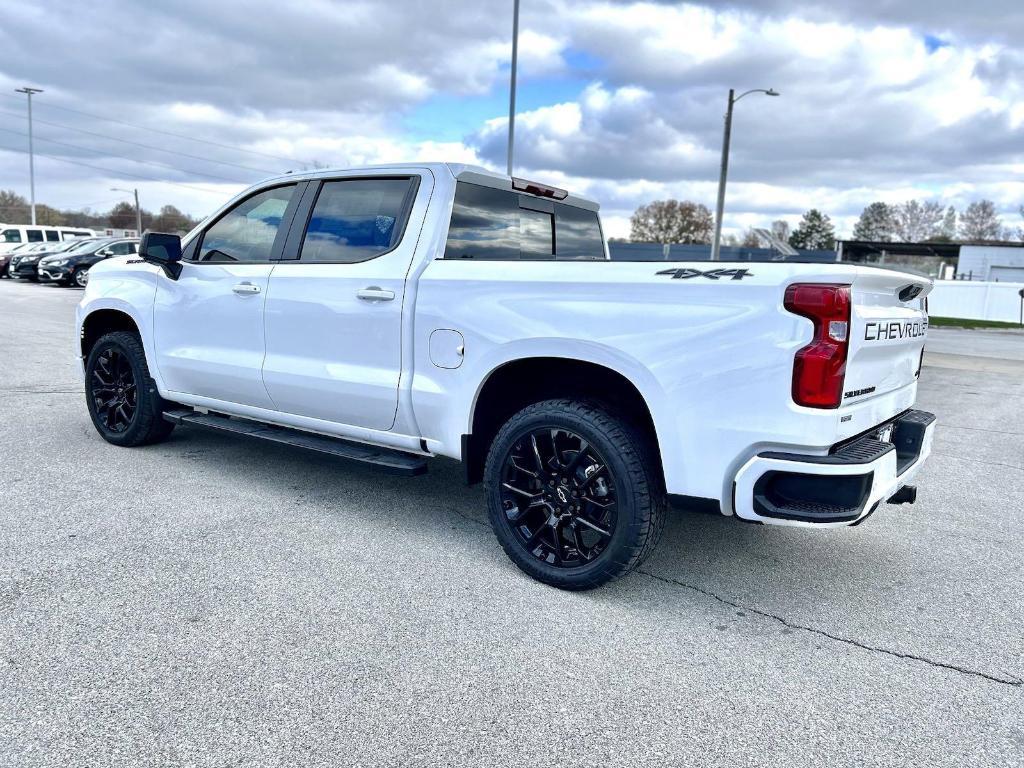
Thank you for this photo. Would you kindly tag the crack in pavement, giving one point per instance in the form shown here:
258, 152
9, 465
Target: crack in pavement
978, 461
1010, 681
982, 429
41, 391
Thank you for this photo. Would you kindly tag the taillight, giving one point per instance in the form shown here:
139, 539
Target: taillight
820, 367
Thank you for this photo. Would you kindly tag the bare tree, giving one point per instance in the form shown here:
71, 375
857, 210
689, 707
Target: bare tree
980, 222
14, 208
949, 224
780, 228
917, 221
672, 221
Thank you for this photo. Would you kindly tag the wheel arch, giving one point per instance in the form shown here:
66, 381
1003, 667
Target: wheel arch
514, 384
100, 322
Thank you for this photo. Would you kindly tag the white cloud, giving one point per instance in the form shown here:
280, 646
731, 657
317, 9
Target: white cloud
868, 111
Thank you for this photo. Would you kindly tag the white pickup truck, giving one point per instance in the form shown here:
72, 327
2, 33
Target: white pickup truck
390, 314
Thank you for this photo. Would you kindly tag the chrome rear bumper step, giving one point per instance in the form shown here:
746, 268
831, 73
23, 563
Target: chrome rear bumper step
387, 459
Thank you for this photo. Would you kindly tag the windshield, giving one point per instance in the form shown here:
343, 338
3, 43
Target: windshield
88, 245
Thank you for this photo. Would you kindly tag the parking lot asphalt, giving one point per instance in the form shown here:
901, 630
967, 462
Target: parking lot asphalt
213, 601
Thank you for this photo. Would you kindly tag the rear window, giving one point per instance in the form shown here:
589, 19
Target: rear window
34, 235
496, 224
52, 235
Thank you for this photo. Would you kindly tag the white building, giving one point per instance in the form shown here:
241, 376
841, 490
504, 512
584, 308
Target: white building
1002, 262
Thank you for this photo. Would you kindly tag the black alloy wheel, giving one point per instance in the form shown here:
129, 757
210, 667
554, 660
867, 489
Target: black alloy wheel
122, 397
114, 390
575, 492
559, 497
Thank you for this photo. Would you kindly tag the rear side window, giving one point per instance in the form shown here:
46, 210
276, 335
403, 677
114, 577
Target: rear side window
247, 231
52, 236
579, 234
34, 235
355, 220
496, 224
11, 236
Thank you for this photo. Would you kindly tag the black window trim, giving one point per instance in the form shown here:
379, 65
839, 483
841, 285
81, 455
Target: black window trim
292, 252
196, 246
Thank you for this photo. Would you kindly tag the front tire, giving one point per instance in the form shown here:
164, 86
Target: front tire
122, 398
574, 493
80, 277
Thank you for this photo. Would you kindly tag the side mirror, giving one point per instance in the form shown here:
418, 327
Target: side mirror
162, 250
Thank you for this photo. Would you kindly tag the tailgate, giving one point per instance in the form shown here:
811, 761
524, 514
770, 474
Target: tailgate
887, 334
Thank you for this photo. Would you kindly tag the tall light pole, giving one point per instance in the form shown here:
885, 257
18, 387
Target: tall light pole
512, 83
31, 152
726, 136
138, 210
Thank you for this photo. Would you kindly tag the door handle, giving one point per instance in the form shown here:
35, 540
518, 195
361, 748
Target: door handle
246, 289
375, 293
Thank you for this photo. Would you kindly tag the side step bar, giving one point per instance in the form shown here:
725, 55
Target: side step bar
385, 458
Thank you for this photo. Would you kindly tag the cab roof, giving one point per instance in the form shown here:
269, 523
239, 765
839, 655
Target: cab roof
474, 174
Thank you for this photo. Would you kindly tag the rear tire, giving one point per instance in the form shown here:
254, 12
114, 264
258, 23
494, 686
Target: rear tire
122, 397
574, 493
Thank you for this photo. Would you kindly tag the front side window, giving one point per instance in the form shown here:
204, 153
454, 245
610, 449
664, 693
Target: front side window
496, 224
247, 231
356, 219
11, 236
34, 235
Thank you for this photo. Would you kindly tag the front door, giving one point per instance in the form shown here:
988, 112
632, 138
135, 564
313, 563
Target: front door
208, 324
334, 307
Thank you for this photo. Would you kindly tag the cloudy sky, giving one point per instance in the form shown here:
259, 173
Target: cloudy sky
192, 100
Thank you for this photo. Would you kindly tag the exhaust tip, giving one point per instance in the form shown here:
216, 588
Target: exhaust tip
905, 495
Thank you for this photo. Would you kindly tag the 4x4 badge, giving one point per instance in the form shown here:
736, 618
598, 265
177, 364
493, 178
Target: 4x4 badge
711, 274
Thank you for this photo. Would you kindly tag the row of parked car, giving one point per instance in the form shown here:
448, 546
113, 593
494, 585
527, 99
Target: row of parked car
66, 262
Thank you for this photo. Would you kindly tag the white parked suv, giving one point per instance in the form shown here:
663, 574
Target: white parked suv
390, 314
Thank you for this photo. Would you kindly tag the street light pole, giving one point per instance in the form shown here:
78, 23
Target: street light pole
716, 246
512, 83
138, 210
31, 151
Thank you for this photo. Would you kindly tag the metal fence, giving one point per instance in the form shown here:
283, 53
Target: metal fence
624, 251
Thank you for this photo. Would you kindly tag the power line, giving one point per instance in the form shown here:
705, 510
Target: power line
176, 135
115, 174
144, 146
154, 163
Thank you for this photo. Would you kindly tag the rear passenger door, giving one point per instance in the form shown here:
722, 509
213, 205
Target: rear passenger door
333, 316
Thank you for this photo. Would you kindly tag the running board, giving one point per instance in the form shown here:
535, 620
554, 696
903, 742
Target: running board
385, 458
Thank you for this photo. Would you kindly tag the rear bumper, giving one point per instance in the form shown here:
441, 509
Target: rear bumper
840, 488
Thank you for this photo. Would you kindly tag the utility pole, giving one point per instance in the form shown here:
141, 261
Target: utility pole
716, 246
31, 151
512, 83
726, 137
138, 210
